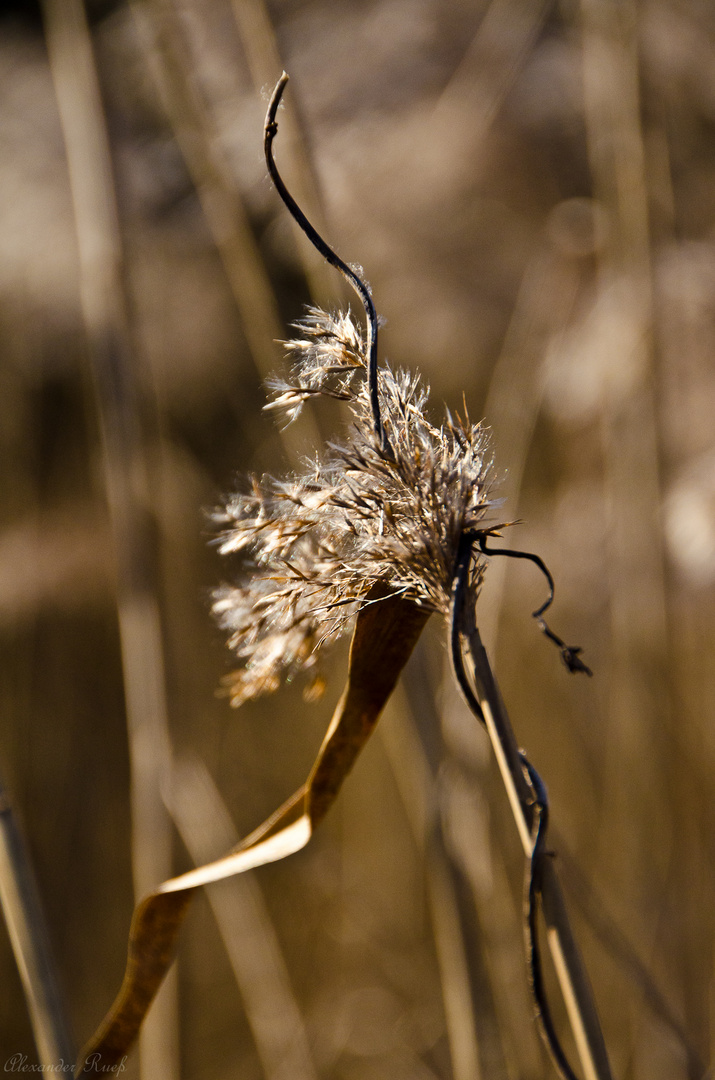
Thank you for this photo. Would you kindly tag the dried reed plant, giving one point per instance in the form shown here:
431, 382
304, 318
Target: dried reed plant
493, 180
390, 527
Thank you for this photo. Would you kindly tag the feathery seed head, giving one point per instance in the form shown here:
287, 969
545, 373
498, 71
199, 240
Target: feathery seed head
369, 511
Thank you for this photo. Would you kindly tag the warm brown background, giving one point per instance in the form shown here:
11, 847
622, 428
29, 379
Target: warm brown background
530, 188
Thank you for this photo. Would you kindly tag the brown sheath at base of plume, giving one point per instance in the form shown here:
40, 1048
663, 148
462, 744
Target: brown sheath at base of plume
386, 631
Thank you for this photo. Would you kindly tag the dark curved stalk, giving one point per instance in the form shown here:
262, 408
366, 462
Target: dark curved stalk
270, 132
532, 892
459, 585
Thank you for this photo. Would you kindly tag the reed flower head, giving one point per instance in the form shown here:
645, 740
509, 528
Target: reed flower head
387, 511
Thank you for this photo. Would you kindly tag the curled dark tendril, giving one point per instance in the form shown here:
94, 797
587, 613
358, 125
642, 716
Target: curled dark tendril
532, 894
570, 654
269, 133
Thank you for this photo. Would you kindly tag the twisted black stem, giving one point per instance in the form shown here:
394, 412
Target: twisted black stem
459, 590
536, 813
570, 654
270, 131
532, 896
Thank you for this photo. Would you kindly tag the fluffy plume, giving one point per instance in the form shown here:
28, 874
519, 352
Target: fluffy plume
315, 544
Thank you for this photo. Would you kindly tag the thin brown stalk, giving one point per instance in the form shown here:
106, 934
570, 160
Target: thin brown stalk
165, 54
514, 397
262, 54
245, 925
639, 699
453, 967
481, 82
118, 401
417, 791
29, 938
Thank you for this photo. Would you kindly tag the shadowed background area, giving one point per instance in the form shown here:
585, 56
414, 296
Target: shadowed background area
530, 188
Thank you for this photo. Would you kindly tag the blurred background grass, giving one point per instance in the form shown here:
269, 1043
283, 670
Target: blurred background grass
530, 188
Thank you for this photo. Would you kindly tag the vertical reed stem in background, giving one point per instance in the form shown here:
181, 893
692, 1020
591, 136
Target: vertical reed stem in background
118, 400
480, 84
570, 971
261, 48
416, 786
162, 41
245, 925
513, 401
21, 906
637, 747
453, 963
164, 50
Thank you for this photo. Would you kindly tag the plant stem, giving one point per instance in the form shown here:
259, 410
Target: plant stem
20, 901
570, 971
122, 405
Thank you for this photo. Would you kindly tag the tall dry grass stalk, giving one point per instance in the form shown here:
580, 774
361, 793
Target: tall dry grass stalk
22, 909
121, 410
